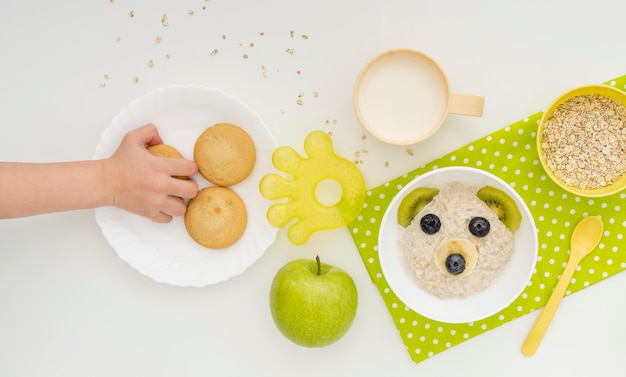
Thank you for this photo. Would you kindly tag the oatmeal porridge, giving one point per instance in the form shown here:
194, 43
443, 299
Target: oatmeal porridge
433, 258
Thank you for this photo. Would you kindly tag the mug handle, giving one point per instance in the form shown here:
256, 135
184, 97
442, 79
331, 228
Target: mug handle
466, 104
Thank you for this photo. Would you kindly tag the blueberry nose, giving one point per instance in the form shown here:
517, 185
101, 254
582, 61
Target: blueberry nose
455, 264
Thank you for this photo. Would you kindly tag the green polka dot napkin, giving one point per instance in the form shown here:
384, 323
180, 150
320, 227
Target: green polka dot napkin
511, 154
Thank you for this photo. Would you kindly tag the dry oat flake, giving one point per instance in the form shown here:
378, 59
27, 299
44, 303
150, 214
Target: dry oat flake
584, 141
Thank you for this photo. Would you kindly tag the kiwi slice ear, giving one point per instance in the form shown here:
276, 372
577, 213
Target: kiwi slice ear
503, 205
413, 202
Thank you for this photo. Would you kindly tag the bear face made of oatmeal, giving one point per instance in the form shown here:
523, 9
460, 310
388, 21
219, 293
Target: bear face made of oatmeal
457, 243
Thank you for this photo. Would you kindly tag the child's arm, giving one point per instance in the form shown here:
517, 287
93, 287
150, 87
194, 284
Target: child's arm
131, 179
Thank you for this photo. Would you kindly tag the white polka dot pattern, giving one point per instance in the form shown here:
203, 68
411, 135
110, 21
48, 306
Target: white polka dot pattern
511, 154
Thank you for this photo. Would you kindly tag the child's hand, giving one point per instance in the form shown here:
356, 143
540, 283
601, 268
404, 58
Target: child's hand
141, 183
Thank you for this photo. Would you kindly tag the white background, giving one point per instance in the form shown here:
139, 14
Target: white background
70, 307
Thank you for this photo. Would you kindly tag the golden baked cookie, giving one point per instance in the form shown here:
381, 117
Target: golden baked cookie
164, 150
225, 154
167, 151
216, 218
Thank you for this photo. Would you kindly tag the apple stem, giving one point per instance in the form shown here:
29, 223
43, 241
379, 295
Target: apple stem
319, 265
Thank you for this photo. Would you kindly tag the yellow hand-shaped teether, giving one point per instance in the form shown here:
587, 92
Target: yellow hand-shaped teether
302, 203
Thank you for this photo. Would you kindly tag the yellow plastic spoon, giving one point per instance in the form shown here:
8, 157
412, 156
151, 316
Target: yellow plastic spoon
585, 238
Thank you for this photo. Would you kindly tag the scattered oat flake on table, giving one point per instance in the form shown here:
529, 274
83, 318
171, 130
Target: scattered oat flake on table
151, 63
290, 51
316, 94
245, 56
291, 33
131, 13
136, 79
410, 152
158, 39
261, 33
214, 52
305, 37
223, 36
386, 164
191, 12
164, 21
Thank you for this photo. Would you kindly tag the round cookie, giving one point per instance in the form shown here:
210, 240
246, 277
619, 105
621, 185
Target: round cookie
164, 150
216, 218
225, 154
167, 151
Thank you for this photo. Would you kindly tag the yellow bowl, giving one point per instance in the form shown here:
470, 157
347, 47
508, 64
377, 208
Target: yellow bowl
602, 90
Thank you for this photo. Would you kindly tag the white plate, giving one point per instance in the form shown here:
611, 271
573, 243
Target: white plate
497, 296
165, 252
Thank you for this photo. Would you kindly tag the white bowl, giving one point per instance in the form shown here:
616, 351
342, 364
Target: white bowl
507, 286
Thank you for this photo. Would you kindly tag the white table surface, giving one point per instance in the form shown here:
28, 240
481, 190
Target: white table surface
70, 307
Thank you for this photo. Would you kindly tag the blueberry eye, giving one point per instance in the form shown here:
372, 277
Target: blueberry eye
430, 224
479, 226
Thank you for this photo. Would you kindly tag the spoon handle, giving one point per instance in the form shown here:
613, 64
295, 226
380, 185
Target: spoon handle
536, 334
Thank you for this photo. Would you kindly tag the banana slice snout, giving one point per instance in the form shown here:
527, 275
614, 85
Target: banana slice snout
456, 257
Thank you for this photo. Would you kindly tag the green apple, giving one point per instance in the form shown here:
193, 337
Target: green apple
312, 303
